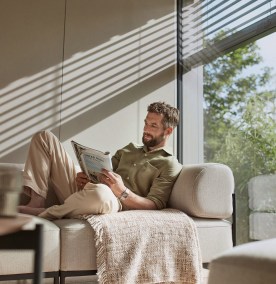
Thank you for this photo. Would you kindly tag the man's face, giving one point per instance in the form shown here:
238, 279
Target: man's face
154, 135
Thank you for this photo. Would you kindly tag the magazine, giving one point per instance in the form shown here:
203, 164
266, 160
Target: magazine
92, 161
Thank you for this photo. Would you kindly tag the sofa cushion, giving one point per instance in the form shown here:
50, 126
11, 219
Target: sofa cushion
215, 236
22, 261
204, 190
251, 263
78, 250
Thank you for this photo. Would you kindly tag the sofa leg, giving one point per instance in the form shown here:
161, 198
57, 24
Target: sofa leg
62, 276
56, 280
62, 280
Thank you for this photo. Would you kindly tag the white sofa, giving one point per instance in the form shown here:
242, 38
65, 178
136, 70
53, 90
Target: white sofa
203, 191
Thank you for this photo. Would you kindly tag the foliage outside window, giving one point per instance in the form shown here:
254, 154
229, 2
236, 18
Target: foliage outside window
240, 121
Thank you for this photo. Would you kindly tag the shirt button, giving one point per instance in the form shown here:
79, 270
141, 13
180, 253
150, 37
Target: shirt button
127, 178
145, 155
134, 165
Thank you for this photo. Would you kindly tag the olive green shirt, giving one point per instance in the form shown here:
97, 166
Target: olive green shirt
150, 174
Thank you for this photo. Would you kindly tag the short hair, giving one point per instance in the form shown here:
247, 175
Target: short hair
170, 113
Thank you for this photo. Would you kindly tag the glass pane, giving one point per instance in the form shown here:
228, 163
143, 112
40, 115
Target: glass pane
206, 18
240, 131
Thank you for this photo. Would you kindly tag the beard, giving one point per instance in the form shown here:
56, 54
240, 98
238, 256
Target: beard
150, 141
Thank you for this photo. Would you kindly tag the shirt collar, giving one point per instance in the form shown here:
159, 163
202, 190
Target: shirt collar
167, 149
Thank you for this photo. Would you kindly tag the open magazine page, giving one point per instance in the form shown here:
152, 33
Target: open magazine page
92, 161
78, 148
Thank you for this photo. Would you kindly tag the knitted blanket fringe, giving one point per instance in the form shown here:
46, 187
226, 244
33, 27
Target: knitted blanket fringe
146, 246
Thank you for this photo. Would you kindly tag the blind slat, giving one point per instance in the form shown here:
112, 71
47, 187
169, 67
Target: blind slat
204, 19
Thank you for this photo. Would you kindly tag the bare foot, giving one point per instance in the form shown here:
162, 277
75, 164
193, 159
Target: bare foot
30, 210
36, 204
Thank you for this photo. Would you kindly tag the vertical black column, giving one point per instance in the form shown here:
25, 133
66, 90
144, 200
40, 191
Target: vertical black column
38, 260
179, 75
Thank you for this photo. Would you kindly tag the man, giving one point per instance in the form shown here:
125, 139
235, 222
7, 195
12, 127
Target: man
142, 176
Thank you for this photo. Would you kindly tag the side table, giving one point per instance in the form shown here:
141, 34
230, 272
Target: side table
13, 237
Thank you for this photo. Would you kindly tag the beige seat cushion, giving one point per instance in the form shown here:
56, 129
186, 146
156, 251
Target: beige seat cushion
22, 261
78, 250
215, 236
252, 263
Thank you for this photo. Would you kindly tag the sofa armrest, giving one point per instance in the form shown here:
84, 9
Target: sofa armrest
204, 190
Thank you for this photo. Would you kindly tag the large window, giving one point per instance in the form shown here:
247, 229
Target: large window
228, 47
240, 131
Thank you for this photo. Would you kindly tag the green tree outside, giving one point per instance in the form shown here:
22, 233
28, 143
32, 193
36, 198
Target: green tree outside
240, 122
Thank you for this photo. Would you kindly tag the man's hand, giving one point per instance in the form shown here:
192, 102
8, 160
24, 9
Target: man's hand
133, 201
113, 181
81, 180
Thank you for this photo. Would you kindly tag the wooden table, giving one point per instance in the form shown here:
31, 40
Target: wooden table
12, 225
13, 237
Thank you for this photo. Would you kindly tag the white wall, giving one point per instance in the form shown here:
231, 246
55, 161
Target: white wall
91, 83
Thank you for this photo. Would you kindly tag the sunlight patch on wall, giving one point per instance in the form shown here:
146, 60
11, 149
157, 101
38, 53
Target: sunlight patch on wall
63, 92
92, 77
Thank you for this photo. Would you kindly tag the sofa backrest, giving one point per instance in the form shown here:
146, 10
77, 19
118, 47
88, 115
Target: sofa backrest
204, 190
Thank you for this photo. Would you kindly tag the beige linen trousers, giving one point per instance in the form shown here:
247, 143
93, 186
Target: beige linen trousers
48, 163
